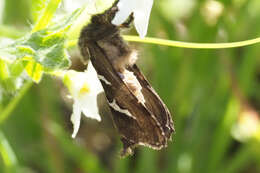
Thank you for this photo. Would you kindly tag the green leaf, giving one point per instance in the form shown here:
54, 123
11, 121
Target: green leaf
37, 7
46, 15
34, 70
45, 48
67, 81
10, 76
3, 70
66, 22
40, 51
6, 81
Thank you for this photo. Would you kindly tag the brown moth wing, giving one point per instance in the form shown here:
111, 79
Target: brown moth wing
154, 103
144, 121
133, 120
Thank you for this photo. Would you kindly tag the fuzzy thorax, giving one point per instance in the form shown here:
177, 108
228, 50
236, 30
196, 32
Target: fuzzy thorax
121, 57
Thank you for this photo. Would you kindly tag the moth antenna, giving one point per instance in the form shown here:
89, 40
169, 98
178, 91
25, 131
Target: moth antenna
127, 23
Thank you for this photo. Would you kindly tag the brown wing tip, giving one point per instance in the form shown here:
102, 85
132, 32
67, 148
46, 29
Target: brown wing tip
126, 152
127, 147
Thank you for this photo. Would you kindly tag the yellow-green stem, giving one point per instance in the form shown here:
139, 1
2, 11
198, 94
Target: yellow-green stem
181, 44
172, 43
10, 107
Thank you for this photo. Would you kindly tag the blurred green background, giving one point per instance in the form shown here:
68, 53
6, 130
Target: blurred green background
213, 95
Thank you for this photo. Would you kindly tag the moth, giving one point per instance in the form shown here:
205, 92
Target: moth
138, 113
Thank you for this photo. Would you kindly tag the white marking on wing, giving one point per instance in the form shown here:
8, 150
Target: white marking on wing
100, 77
156, 146
115, 106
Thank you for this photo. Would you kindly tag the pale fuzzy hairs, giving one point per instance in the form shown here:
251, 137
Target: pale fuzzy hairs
122, 62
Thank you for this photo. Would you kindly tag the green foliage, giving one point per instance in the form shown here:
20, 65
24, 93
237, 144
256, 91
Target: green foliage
43, 50
207, 91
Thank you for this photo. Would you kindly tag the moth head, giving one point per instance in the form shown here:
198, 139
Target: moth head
106, 17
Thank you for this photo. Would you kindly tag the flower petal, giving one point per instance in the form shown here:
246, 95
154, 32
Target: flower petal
141, 10
74, 81
93, 80
84, 88
141, 16
75, 118
89, 107
125, 8
70, 5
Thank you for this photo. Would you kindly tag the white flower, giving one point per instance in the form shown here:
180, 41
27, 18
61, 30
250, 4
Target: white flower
70, 5
141, 10
84, 88
247, 126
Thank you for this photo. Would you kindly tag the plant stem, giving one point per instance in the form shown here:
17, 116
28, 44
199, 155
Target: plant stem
7, 153
241, 159
10, 107
172, 43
